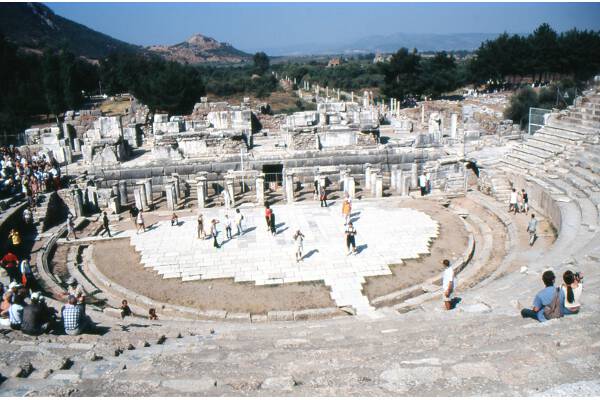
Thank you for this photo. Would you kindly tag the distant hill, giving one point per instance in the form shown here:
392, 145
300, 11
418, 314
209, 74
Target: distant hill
388, 44
201, 49
34, 26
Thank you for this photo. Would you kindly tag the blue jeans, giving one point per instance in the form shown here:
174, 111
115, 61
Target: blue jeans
528, 313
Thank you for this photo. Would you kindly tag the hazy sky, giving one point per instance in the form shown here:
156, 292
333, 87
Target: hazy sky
256, 26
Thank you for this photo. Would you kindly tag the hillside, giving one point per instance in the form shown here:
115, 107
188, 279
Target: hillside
35, 26
201, 49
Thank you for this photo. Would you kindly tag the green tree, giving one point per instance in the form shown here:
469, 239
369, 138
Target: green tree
401, 75
520, 103
261, 62
438, 75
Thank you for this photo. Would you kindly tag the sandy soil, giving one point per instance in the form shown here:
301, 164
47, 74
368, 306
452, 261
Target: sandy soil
451, 243
121, 263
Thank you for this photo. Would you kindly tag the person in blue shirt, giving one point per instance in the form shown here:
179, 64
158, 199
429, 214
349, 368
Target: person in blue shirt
542, 299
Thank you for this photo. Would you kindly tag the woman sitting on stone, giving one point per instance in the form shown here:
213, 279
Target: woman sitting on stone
571, 291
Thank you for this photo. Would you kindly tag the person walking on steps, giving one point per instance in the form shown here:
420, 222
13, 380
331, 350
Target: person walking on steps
299, 239
350, 238
532, 228
71, 227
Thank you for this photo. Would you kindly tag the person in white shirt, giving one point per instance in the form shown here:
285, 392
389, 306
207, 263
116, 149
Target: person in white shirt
571, 291
448, 284
423, 184
238, 222
532, 228
512, 204
228, 223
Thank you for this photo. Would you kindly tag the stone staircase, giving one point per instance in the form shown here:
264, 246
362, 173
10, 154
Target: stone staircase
564, 131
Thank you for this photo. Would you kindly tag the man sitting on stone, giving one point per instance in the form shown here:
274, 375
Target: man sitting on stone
73, 317
77, 291
36, 316
543, 298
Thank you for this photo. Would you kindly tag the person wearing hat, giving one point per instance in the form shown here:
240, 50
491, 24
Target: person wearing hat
76, 291
36, 316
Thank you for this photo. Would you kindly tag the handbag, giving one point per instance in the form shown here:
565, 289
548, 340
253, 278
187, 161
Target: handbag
553, 310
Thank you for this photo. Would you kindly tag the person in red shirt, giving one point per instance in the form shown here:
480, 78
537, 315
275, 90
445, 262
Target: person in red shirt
268, 213
10, 264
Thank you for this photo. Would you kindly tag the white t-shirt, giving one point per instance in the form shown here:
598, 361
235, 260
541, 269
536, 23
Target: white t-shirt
422, 180
576, 295
513, 197
447, 278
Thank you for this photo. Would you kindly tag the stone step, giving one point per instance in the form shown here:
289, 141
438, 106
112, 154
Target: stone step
588, 123
585, 115
550, 147
587, 175
527, 159
568, 137
532, 150
565, 126
591, 165
514, 165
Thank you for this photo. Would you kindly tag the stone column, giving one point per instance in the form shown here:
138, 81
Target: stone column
148, 190
201, 190
343, 173
78, 202
351, 187
378, 185
399, 178
260, 189
367, 176
177, 182
393, 174
115, 191
405, 186
230, 191
139, 194
171, 197
113, 205
453, 124
123, 193
76, 144
414, 176
374, 174
289, 187
422, 114
92, 196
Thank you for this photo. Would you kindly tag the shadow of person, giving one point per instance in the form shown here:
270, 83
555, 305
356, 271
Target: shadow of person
454, 302
359, 249
310, 253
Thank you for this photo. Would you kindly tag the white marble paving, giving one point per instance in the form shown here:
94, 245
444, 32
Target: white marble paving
385, 235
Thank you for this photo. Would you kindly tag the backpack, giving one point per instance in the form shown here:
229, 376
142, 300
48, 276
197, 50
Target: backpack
553, 309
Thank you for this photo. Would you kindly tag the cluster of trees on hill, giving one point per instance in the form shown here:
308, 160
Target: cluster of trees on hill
575, 53
31, 84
